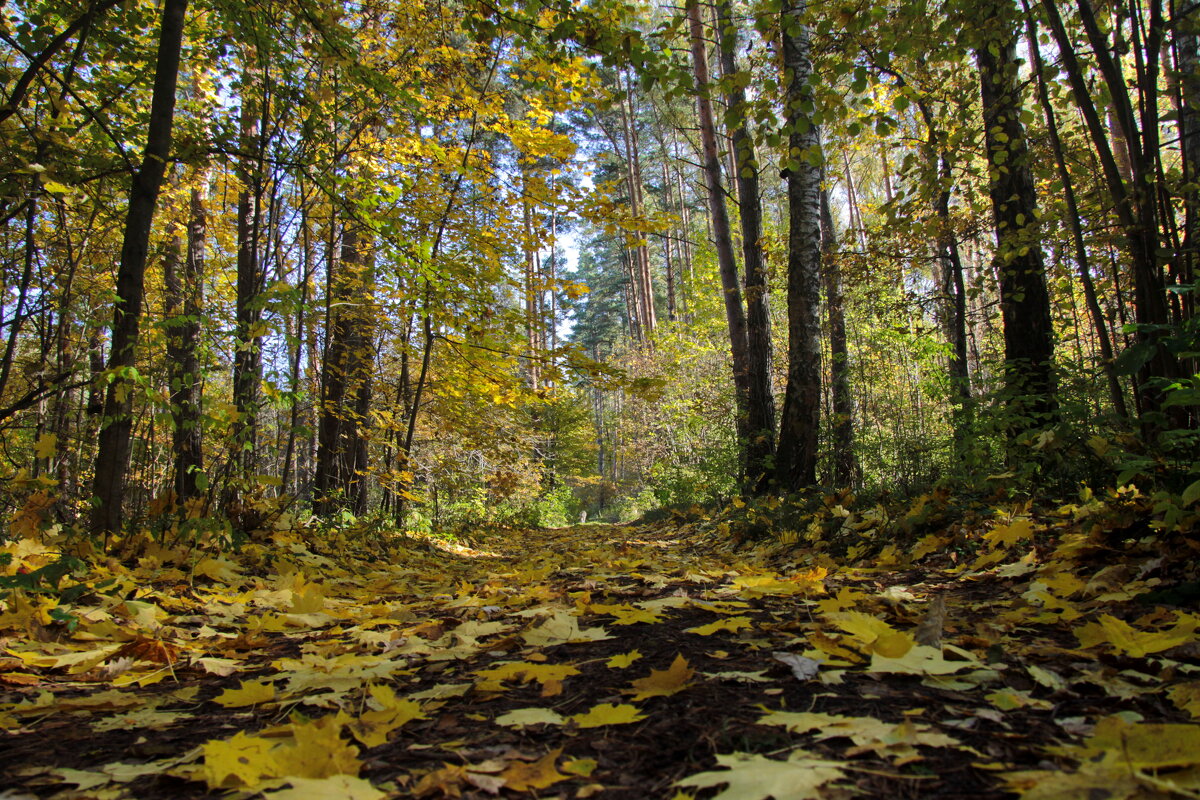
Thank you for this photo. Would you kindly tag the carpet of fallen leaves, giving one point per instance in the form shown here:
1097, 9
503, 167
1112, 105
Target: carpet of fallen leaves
1046, 655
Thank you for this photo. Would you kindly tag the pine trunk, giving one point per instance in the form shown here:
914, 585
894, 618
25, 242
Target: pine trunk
760, 454
735, 314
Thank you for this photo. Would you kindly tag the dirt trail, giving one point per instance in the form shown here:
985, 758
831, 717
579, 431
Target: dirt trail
599, 660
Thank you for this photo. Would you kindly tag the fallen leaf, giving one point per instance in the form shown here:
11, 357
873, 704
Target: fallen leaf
250, 693
731, 624
342, 787
623, 660
750, 776
522, 776
238, 762
607, 714
524, 717
805, 669
372, 727
663, 682
1008, 535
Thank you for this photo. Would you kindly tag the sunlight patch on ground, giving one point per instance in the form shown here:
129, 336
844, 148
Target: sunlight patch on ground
453, 548
661, 544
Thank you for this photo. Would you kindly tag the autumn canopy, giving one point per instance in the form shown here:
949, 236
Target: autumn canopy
743, 398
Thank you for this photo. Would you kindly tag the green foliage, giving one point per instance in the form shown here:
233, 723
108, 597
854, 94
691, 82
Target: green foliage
48, 580
479, 508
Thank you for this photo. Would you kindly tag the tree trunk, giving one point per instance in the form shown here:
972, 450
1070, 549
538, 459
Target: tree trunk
1187, 54
643, 287
760, 454
346, 386
953, 284
799, 424
845, 465
183, 290
247, 356
112, 456
668, 241
1133, 203
1024, 300
735, 314
1074, 224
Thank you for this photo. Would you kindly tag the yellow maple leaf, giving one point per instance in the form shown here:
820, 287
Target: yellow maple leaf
549, 675
631, 615
307, 598
238, 762
845, 598
343, 787
1187, 697
755, 777
624, 659
1102, 778
921, 660
753, 586
863, 627
250, 693
1143, 745
840, 655
732, 624
800, 721
318, 750
583, 767
1123, 637
524, 717
218, 569
521, 776
45, 446
608, 714
373, 727
561, 628
663, 682
1008, 535
1063, 584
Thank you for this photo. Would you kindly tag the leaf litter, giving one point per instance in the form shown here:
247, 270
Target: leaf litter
1031, 654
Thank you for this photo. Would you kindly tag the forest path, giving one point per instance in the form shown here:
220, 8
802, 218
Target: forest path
597, 660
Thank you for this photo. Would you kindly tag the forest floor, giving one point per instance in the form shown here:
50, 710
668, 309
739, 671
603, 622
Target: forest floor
646, 661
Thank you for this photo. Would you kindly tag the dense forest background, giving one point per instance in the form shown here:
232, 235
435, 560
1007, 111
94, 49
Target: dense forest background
451, 263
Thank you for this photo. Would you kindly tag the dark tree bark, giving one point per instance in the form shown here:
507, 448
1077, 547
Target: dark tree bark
845, 465
247, 356
735, 314
1132, 202
668, 241
760, 454
19, 312
953, 284
1024, 300
1187, 56
799, 425
1074, 223
112, 457
346, 383
184, 294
